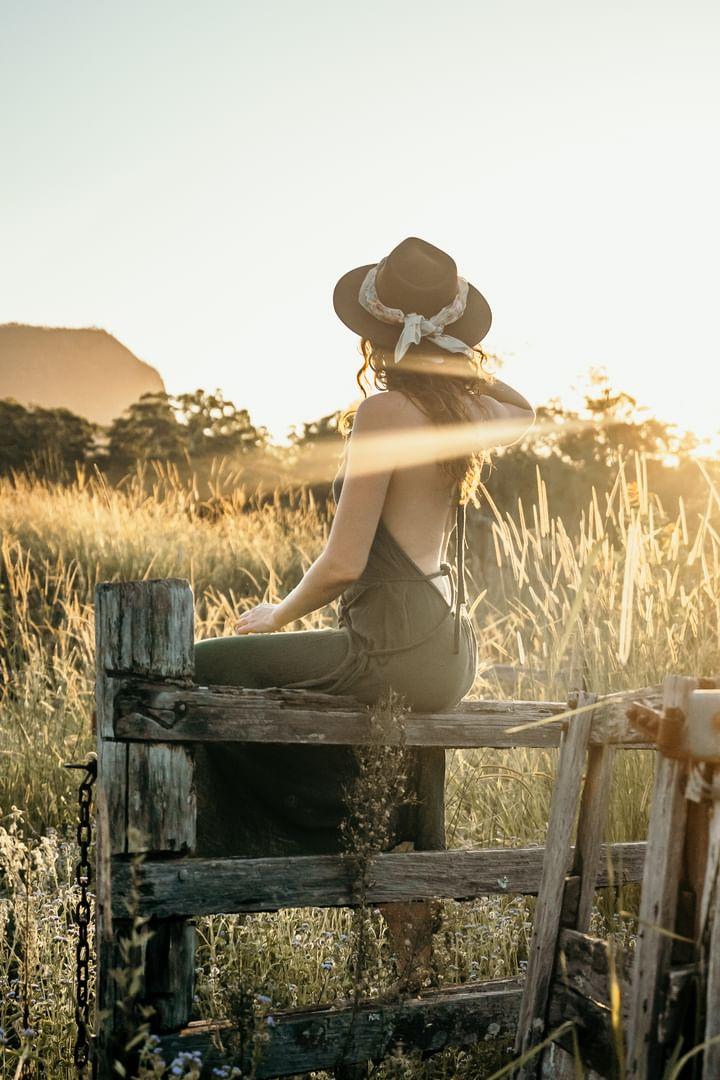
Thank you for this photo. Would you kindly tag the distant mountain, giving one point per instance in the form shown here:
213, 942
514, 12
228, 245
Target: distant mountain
86, 371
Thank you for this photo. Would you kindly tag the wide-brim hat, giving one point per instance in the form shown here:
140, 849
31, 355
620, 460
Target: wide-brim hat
415, 277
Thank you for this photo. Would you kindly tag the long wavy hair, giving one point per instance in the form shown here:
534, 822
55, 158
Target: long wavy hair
440, 391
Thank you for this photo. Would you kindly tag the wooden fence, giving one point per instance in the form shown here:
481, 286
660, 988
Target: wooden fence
150, 715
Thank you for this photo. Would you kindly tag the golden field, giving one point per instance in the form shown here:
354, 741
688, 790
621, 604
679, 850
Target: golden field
632, 591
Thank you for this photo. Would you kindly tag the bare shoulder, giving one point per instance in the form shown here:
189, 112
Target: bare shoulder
499, 410
389, 408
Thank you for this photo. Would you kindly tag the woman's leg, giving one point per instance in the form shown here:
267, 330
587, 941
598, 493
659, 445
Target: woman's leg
260, 660
234, 781
262, 799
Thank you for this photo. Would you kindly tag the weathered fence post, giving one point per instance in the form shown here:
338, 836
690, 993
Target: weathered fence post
146, 799
659, 897
711, 904
549, 909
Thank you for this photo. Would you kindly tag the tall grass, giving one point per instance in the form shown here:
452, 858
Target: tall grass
630, 594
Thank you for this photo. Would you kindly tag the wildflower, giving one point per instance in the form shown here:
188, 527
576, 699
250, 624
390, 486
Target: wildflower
263, 999
186, 1057
328, 964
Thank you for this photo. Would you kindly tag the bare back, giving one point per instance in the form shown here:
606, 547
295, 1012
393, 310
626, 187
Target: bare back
414, 502
418, 508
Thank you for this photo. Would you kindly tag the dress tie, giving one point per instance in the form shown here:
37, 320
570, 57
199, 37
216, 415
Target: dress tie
458, 602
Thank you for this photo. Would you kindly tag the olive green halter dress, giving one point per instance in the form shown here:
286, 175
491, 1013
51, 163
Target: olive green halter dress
395, 629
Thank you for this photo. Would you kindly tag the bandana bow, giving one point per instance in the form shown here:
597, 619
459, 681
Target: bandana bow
416, 327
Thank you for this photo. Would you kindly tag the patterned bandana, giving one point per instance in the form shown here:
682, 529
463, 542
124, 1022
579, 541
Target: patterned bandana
416, 327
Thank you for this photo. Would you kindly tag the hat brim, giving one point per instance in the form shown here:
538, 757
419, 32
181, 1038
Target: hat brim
471, 327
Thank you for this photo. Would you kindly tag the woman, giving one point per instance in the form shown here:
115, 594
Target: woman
402, 624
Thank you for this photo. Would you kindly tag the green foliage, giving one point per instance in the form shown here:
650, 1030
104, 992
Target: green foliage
315, 431
202, 433
189, 427
315, 449
59, 540
147, 429
581, 449
213, 426
51, 441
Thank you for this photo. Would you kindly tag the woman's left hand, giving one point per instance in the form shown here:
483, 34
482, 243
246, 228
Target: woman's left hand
258, 620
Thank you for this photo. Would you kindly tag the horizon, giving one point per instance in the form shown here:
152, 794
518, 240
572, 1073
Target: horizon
707, 445
194, 181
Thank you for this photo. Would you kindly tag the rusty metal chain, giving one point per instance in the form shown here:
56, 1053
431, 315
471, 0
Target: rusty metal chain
83, 872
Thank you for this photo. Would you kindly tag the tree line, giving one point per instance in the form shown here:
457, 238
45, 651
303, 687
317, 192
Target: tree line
158, 426
575, 448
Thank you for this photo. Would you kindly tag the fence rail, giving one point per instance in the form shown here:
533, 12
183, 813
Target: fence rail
317, 1037
199, 886
151, 717
157, 712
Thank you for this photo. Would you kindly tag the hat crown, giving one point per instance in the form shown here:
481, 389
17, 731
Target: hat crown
417, 277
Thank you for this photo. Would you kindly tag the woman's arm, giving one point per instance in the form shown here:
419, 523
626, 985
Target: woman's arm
500, 402
504, 393
321, 583
353, 528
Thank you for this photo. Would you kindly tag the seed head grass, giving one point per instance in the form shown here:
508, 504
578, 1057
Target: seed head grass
633, 591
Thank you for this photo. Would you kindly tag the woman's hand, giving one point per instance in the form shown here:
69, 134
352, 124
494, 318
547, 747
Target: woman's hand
258, 620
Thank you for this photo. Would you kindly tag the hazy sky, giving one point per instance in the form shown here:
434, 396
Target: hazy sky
195, 176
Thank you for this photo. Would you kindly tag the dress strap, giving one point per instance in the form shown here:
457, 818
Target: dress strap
459, 593
459, 567
444, 571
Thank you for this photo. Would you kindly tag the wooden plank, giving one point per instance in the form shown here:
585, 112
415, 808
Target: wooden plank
658, 902
142, 628
591, 828
111, 796
170, 972
111, 799
578, 901
320, 1037
711, 903
146, 711
161, 798
680, 985
302, 1040
584, 962
582, 970
593, 1025
199, 886
541, 959
712, 861
692, 876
